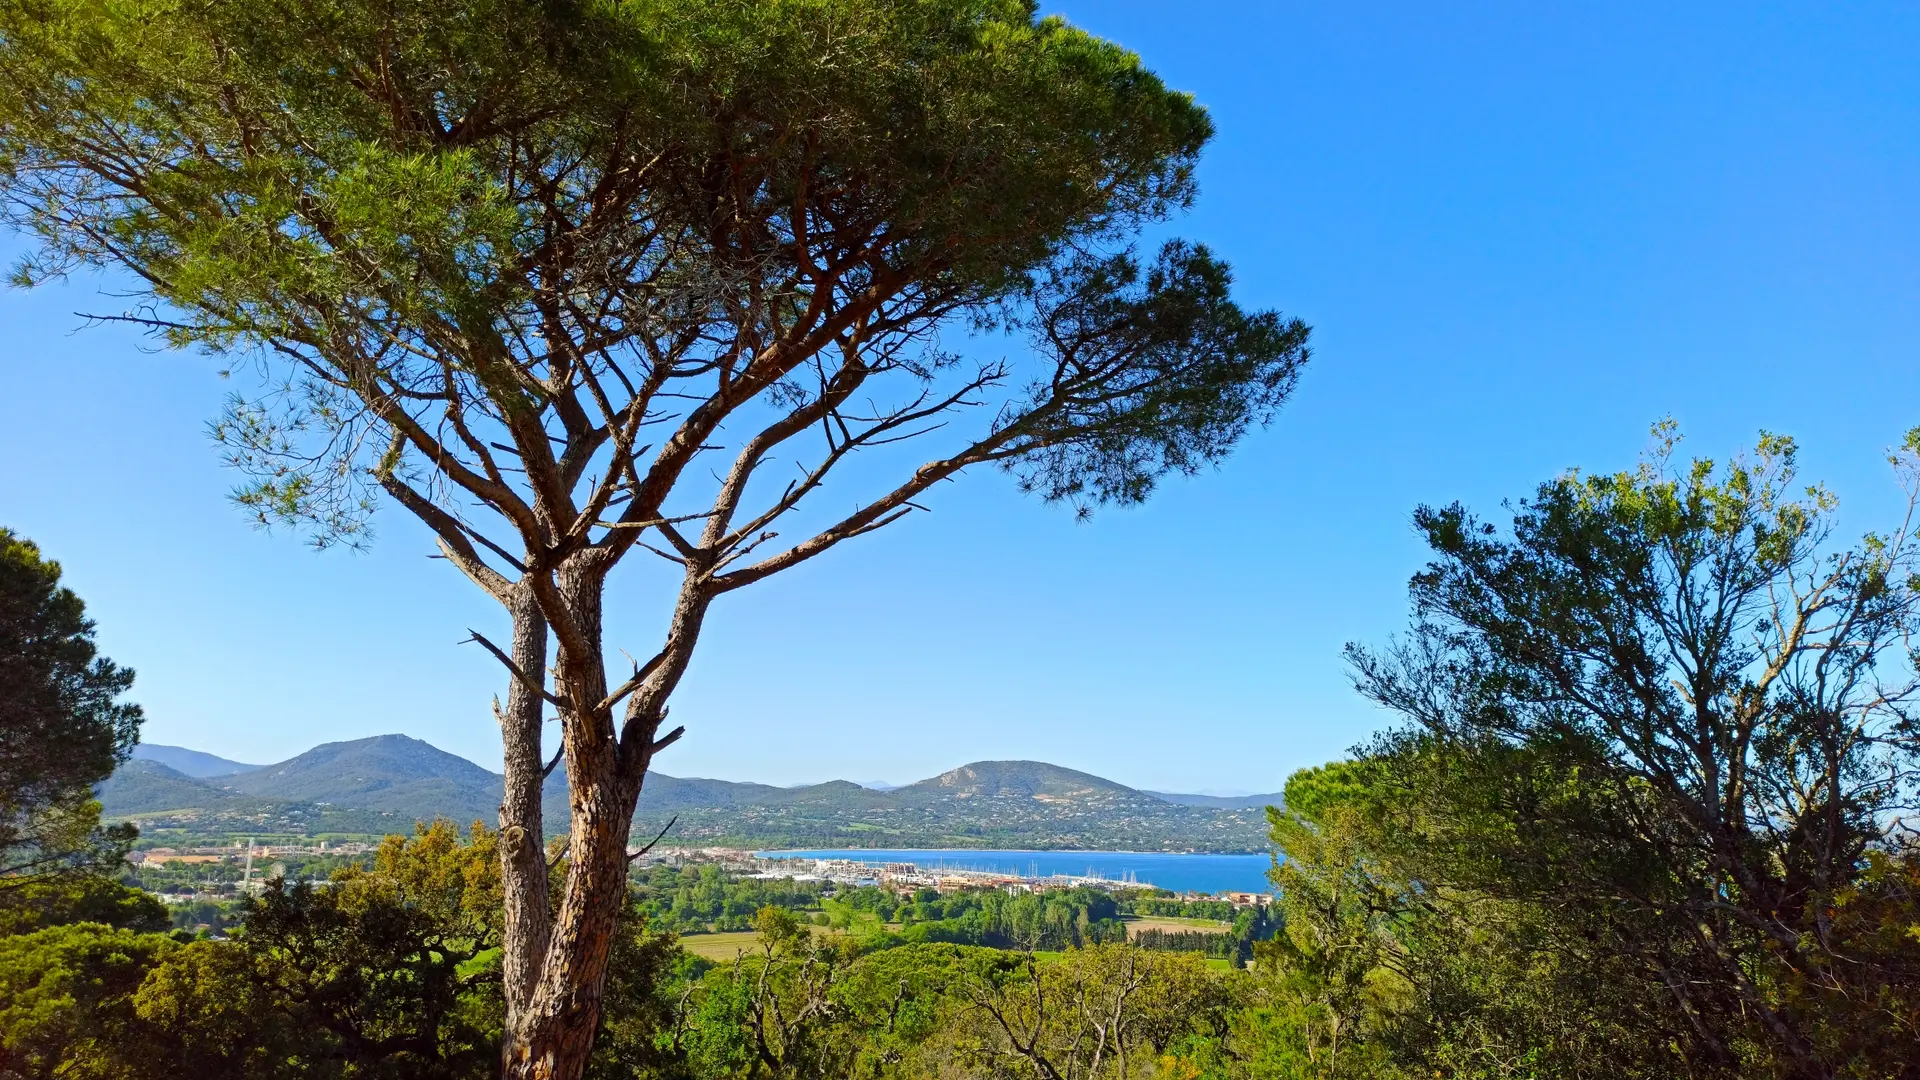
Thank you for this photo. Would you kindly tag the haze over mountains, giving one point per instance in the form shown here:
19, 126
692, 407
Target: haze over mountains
189, 762
385, 783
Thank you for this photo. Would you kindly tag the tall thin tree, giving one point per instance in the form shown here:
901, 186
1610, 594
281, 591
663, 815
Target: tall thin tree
573, 280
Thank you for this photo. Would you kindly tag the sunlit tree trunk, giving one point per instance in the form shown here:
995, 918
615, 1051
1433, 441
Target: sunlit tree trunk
554, 1011
523, 864
551, 1036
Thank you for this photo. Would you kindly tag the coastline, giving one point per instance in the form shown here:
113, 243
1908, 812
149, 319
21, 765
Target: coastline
1174, 871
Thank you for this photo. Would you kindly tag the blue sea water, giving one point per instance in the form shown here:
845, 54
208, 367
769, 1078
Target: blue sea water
1176, 872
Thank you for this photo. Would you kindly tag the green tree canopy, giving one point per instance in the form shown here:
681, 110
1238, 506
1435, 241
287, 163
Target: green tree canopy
79, 898
66, 1001
63, 727
568, 280
1665, 721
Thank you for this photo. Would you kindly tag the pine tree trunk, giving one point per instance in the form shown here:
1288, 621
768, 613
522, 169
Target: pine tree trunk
523, 864
550, 1036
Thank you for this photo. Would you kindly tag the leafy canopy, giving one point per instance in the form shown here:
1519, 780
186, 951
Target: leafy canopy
514, 217
1661, 729
63, 727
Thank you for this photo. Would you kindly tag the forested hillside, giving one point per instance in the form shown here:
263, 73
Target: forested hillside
385, 783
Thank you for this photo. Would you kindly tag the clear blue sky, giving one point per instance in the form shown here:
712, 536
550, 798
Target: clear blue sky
1522, 234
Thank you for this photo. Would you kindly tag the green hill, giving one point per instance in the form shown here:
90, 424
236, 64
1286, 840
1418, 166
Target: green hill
1014, 804
386, 773
385, 783
664, 792
1018, 780
142, 786
166, 803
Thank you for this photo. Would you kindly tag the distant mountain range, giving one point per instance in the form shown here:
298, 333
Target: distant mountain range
386, 783
189, 762
1220, 802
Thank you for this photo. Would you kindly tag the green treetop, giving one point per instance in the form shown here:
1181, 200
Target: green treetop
63, 727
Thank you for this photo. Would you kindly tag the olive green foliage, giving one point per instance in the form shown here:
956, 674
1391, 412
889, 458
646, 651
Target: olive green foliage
376, 974
1062, 919
1220, 946
803, 1005
1105, 1010
387, 971
66, 1001
1641, 821
210, 917
1381, 971
774, 1012
1244, 926
1163, 903
699, 898
1870, 1018
378, 192
63, 727
79, 899
1384, 970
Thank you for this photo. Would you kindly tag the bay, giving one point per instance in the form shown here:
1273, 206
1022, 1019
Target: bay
1176, 872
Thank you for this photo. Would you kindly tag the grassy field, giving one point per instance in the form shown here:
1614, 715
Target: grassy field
720, 946
1135, 925
728, 945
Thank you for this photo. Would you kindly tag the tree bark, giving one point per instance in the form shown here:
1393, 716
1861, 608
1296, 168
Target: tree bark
550, 1037
523, 863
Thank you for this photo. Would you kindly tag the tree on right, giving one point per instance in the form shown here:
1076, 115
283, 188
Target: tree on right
1659, 751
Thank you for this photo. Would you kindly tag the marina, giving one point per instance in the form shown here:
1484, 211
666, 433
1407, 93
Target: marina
1176, 872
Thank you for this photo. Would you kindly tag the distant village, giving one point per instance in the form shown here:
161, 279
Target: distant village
907, 876
258, 863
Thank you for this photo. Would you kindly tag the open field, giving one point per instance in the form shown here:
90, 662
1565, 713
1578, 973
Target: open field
720, 947
1136, 926
730, 944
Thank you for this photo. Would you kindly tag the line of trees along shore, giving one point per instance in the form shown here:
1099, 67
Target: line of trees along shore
699, 899
563, 281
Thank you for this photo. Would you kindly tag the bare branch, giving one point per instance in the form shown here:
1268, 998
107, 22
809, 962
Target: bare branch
667, 740
524, 678
656, 839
